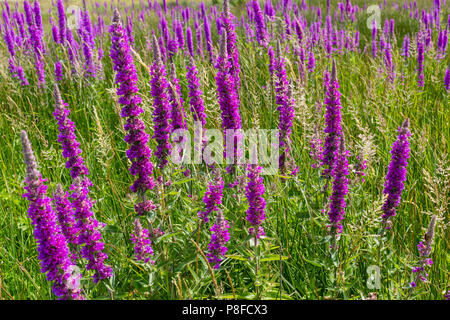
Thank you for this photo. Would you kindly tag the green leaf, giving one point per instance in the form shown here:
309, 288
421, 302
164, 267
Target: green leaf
274, 257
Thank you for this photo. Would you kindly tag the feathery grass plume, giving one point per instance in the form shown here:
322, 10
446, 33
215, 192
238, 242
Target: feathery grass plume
212, 198
227, 18
142, 243
254, 192
66, 216
139, 153
261, 32
228, 102
424, 252
219, 237
285, 107
339, 173
53, 251
333, 122
396, 175
316, 149
161, 113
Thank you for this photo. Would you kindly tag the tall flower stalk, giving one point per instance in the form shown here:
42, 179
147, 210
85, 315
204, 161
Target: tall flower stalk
333, 122
229, 104
138, 152
161, 113
396, 175
53, 251
339, 173
87, 224
425, 248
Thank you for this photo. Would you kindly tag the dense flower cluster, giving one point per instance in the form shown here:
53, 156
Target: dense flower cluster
254, 192
219, 237
139, 153
333, 122
53, 250
161, 113
67, 137
212, 199
142, 244
396, 175
339, 173
285, 107
424, 253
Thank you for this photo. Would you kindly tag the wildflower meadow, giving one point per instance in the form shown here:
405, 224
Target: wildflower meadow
223, 150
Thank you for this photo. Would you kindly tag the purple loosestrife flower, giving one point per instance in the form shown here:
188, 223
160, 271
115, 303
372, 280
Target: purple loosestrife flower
388, 62
285, 107
316, 149
139, 153
405, 50
311, 61
53, 251
447, 79
189, 43
93, 247
61, 22
396, 175
219, 237
374, 39
142, 243
333, 122
232, 52
161, 113
425, 249
89, 236
254, 192
58, 71
178, 115
212, 198
208, 39
67, 138
66, 216
228, 102
195, 94
339, 173
261, 32
420, 58
36, 41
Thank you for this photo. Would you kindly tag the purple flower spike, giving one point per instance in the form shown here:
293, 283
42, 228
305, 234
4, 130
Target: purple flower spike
396, 175
161, 113
219, 237
339, 173
212, 198
67, 138
425, 248
66, 215
139, 153
53, 251
261, 32
195, 94
93, 247
142, 243
254, 192
332, 121
285, 107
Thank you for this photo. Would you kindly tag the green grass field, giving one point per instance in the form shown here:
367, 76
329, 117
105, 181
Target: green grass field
295, 259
